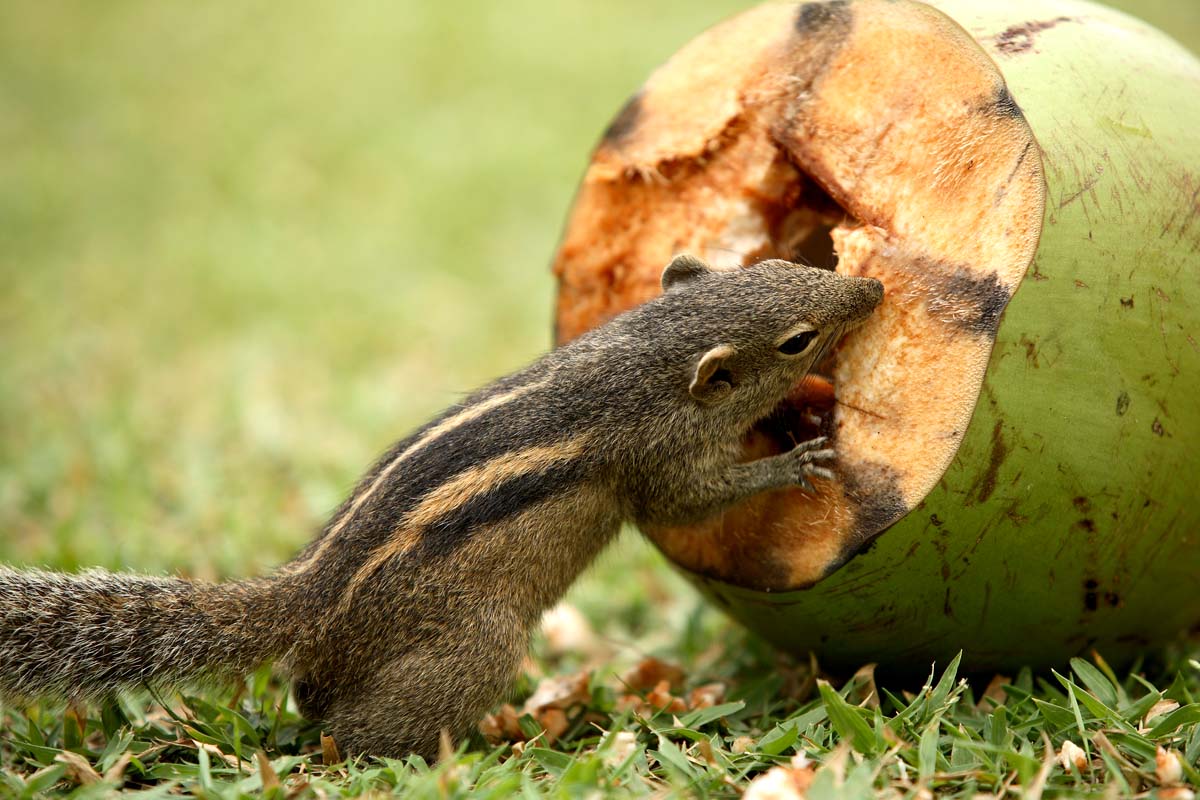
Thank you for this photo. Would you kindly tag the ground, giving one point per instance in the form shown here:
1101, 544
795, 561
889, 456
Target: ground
242, 250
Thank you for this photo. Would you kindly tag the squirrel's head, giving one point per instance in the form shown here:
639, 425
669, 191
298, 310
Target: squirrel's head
746, 336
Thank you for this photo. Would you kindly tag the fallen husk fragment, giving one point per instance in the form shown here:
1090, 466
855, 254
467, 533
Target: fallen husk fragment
1020, 416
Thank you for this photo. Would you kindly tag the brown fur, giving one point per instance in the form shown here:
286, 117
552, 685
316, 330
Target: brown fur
410, 614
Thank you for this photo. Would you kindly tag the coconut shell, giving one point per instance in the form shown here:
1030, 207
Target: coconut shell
1019, 418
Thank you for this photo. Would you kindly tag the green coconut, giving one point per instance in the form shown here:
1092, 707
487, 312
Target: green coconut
1017, 426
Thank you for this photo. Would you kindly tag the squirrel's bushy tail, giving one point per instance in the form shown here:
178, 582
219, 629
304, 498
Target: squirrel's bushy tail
89, 635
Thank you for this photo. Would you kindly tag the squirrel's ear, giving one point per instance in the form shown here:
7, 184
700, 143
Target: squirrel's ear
682, 269
713, 380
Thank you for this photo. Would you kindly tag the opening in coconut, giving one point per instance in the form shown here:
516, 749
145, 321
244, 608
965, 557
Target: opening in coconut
872, 137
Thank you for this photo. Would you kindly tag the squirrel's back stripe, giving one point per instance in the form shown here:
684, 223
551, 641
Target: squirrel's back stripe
506, 500
434, 432
487, 493
459, 491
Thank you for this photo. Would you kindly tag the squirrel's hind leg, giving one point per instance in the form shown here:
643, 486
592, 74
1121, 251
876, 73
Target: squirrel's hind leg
404, 705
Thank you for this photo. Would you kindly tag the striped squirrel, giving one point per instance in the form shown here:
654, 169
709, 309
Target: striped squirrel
411, 612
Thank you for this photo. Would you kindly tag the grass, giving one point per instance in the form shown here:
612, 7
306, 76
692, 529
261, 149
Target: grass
243, 250
781, 726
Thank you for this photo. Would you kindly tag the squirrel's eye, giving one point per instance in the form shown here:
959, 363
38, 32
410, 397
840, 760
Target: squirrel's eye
798, 343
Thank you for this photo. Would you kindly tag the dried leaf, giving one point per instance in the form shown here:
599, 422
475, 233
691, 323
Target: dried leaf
741, 744
994, 692
270, 779
567, 631
1168, 767
1176, 793
330, 754
706, 696
553, 698
549, 705
660, 699
1159, 709
79, 769
77, 714
554, 722
865, 686
560, 692
631, 702
445, 747
783, 783
650, 672
503, 726
116, 773
1072, 754
620, 746
216, 752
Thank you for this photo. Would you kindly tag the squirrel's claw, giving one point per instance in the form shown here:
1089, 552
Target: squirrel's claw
810, 444
806, 456
820, 472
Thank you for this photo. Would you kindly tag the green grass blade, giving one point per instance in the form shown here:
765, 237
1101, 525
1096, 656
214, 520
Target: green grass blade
847, 720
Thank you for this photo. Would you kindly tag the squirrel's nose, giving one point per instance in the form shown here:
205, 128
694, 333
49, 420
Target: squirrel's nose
872, 291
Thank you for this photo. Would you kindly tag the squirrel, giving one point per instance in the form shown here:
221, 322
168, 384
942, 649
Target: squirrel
410, 613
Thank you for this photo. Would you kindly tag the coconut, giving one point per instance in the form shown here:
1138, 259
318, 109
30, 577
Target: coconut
1015, 426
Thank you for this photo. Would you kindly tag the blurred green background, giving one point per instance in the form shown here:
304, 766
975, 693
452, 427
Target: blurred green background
244, 246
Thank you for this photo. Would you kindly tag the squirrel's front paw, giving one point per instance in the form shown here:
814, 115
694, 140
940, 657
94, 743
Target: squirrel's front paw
805, 458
